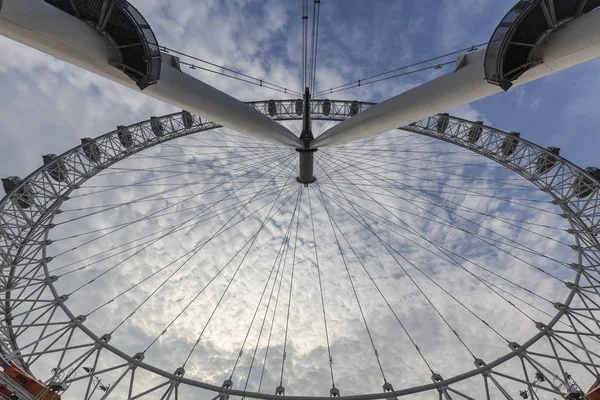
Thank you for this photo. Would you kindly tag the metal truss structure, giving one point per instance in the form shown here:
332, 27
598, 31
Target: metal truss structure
32, 308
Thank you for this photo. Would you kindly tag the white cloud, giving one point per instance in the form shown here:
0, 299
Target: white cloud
49, 105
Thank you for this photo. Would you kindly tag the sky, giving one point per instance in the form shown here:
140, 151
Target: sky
48, 105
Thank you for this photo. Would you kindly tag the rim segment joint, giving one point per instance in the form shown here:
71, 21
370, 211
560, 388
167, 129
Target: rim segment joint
61, 299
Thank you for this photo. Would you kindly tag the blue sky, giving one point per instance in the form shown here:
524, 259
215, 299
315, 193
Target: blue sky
48, 105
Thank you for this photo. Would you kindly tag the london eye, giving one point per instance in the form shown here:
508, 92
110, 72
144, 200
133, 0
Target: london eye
307, 245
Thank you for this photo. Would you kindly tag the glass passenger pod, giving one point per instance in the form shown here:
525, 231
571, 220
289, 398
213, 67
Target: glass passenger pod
299, 107
512, 48
327, 107
36, 388
442, 123
510, 143
188, 120
594, 393
91, 151
500, 41
475, 132
139, 53
57, 170
272, 108
583, 186
545, 161
157, 126
354, 108
125, 136
23, 195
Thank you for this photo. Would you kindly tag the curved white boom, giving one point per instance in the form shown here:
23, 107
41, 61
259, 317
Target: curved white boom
574, 43
52, 31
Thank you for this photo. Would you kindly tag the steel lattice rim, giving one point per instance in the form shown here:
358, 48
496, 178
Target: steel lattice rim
558, 183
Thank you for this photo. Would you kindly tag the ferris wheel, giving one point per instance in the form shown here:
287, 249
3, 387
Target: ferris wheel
313, 251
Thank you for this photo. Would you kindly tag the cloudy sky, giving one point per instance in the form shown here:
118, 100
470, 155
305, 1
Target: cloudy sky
368, 229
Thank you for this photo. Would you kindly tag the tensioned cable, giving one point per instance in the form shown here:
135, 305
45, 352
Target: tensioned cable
321, 288
500, 218
196, 249
385, 168
289, 305
125, 203
485, 282
282, 253
315, 44
112, 207
261, 163
194, 66
120, 263
360, 308
361, 84
259, 303
207, 179
249, 244
226, 208
382, 176
466, 192
214, 311
144, 218
438, 312
360, 81
376, 176
244, 153
250, 79
304, 43
434, 180
450, 259
284, 260
269, 194
479, 225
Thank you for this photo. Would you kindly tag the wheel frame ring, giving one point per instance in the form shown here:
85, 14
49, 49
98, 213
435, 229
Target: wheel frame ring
427, 127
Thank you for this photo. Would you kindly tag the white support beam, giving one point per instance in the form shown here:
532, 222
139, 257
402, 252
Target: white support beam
54, 32
573, 43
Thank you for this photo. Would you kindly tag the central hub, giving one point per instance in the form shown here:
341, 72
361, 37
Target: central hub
306, 154
306, 166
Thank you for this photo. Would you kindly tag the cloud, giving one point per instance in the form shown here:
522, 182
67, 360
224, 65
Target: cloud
409, 214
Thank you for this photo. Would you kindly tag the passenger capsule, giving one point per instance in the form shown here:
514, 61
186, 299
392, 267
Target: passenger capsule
509, 145
23, 197
442, 123
584, 186
354, 107
272, 108
546, 161
28, 384
125, 136
188, 120
56, 170
299, 107
157, 126
326, 107
91, 150
475, 132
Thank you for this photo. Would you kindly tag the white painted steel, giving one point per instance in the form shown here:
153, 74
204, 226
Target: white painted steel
574, 43
54, 32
